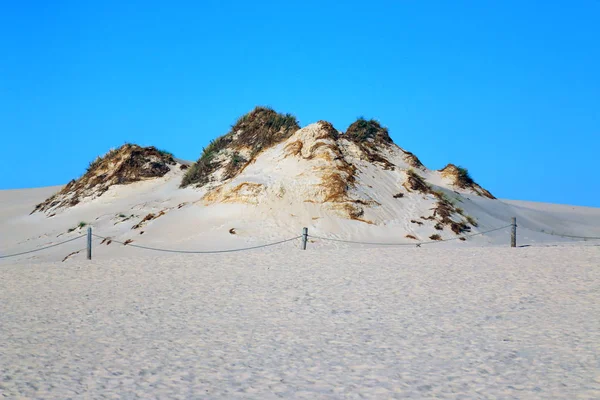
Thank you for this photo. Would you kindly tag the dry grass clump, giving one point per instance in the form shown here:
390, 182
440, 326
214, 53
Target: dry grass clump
459, 227
356, 213
444, 208
399, 195
70, 254
435, 237
147, 218
374, 157
472, 221
411, 237
415, 182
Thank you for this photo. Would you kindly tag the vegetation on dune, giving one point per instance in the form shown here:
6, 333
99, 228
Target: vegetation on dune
362, 130
464, 178
129, 163
82, 224
164, 153
258, 130
199, 172
444, 208
416, 182
368, 134
471, 220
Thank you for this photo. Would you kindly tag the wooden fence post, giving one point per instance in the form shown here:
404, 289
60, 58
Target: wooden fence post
513, 233
304, 238
89, 243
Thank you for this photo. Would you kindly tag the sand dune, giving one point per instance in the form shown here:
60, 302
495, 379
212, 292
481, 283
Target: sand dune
184, 222
452, 319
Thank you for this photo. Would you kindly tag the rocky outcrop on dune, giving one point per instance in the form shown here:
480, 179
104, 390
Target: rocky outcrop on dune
129, 163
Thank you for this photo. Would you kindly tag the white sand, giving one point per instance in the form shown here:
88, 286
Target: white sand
363, 323
471, 319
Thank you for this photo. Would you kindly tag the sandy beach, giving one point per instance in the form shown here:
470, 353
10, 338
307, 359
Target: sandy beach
284, 323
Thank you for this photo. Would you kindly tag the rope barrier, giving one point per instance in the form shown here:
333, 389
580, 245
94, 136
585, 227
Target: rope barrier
564, 235
418, 244
408, 244
199, 251
560, 234
42, 248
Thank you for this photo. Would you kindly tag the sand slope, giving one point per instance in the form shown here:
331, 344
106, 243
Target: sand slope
187, 223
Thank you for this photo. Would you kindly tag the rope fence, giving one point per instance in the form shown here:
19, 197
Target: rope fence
304, 240
42, 248
200, 251
410, 244
564, 235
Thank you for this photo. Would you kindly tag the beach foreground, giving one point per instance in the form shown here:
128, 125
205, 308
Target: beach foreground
355, 323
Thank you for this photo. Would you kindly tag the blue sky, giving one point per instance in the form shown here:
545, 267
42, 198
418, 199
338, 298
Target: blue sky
508, 89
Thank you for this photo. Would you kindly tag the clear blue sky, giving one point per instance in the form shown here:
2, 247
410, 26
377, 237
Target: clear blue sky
508, 89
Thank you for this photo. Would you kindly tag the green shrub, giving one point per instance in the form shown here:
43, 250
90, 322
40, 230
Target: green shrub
362, 129
165, 153
94, 163
464, 178
79, 226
